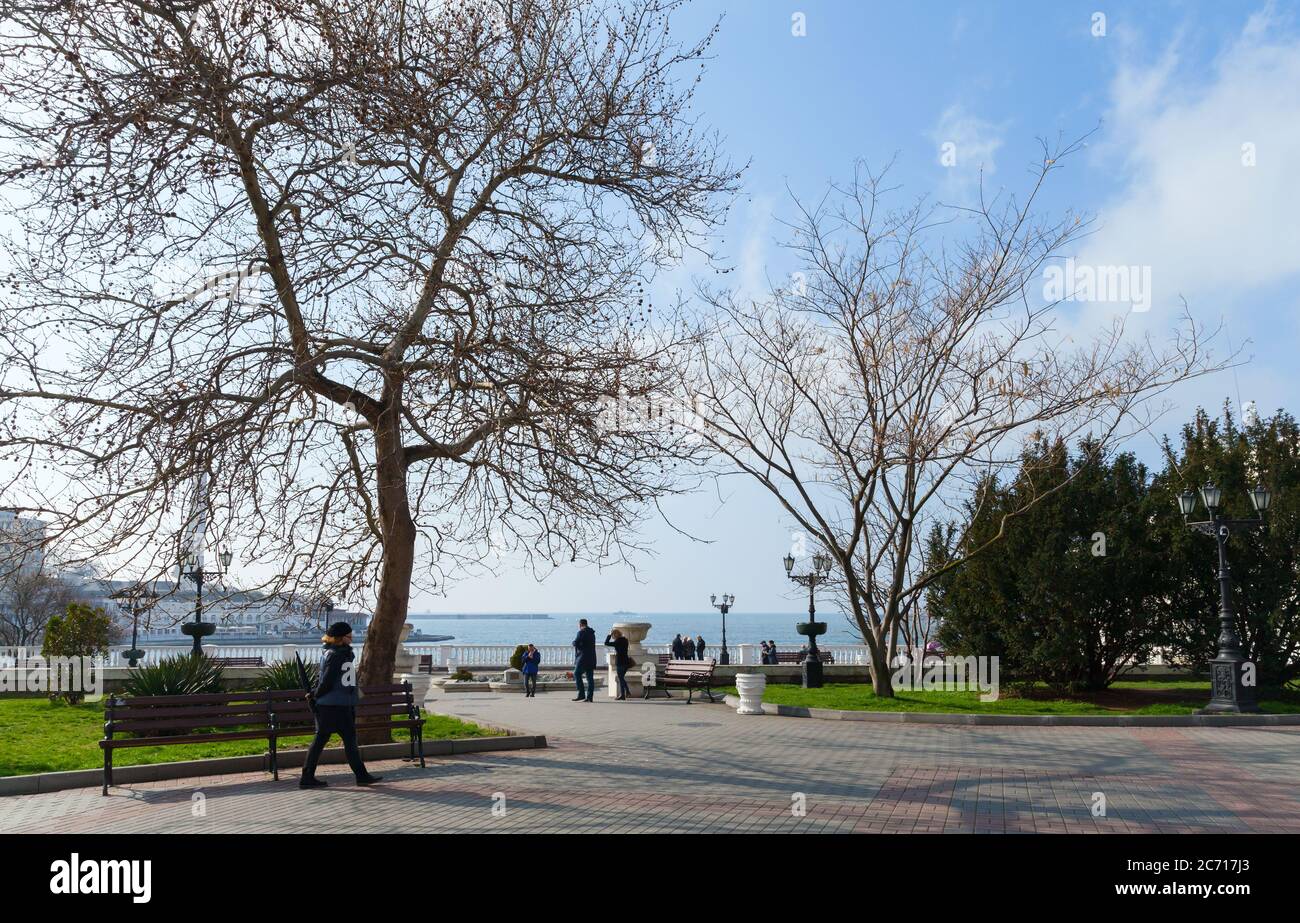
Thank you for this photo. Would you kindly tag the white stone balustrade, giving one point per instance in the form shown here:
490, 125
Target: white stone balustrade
470, 656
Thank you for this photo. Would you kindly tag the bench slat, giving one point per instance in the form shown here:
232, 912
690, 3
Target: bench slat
207, 698
116, 742
180, 724
171, 714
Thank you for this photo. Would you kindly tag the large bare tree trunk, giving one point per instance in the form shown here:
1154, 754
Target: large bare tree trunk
398, 529
881, 680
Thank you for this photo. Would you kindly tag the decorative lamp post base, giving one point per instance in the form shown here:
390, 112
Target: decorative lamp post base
812, 672
812, 664
198, 631
723, 657
1228, 694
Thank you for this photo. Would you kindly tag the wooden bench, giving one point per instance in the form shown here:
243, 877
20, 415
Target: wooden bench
693, 674
166, 720
385, 706
798, 656
239, 661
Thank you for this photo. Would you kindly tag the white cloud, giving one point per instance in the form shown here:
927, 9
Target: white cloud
752, 267
965, 146
1188, 205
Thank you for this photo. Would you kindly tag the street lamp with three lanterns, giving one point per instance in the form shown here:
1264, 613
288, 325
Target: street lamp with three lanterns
724, 607
135, 599
192, 567
820, 573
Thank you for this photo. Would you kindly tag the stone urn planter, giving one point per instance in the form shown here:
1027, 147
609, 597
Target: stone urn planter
751, 687
635, 633
406, 667
403, 661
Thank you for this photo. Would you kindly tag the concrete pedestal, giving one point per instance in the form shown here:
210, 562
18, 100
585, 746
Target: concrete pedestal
635, 678
406, 669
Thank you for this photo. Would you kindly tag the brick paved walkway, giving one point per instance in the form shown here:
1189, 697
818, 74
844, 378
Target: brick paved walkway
665, 766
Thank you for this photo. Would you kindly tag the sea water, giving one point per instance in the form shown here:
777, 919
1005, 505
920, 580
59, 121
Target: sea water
559, 628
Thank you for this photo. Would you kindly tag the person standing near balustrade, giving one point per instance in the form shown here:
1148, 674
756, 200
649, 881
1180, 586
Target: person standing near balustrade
532, 660
584, 662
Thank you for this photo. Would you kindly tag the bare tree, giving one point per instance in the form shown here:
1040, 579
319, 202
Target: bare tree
371, 266
28, 598
913, 353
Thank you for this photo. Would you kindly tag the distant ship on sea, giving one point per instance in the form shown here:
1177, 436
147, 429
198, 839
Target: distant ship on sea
624, 612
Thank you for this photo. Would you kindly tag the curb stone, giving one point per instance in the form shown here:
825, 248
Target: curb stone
42, 782
914, 717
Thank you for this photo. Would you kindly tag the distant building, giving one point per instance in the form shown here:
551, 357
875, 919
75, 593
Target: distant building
240, 615
22, 554
22, 542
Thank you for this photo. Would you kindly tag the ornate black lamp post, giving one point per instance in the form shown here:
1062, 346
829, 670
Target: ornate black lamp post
724, 607
192, 567
135, 599
821, 570
1228, 692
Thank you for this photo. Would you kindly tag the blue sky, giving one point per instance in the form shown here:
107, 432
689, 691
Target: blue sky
1192, 171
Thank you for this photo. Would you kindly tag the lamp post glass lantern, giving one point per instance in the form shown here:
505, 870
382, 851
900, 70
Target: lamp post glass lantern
724, 657
1232, 686
821, 568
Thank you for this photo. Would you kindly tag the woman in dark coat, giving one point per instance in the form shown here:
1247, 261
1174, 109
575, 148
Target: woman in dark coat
622, 661
688, 647
334, 701
532, 658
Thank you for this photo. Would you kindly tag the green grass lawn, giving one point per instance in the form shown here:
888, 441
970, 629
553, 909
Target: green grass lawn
37, 735
1139, 697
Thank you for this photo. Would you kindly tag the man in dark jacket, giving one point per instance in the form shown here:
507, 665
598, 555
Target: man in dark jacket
699, 647
679, 649
334, 701
584, 661
688, 646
